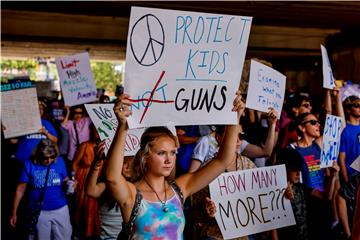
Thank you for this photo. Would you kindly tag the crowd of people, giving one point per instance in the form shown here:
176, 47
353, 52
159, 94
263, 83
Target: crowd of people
162, 192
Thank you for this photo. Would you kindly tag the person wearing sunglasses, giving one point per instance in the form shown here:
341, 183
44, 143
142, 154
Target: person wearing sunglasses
44, 166
309, 147
77, 128
295, 105
350, 138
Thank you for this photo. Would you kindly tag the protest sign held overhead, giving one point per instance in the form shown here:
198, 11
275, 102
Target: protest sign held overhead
20, 113
251, 201
331, 141
183, 64
328, 77
76, 79
266, 88
104, 119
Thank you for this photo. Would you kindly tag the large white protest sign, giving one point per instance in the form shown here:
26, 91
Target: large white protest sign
328, 81
356, 164
76, 79
251, 201
183, 68
20, 113
266, 88
331, 141
104, 119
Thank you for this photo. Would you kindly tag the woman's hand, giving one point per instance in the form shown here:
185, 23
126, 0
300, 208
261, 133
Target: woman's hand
238, 104
289, 192
272, 116
121, 108
100, 151
43, 131
13, 220
210, 207
334, 169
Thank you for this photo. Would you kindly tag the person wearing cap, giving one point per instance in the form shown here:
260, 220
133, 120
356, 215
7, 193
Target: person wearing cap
299, 195
350, 137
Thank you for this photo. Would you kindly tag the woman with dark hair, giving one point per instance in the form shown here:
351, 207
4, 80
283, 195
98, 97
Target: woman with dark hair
44, 166
109, 210
152, 205
77, 127
86, 208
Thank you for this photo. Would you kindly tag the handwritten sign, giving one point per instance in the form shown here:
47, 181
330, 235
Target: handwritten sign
331, 141
20, 113
350, 89
105, 121
184, 64
251, 201
328, 81
266, 88
76, 79
356, 164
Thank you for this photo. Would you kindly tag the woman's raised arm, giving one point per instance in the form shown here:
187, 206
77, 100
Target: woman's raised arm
122, 191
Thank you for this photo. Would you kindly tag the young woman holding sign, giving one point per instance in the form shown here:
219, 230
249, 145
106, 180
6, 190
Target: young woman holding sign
152, 205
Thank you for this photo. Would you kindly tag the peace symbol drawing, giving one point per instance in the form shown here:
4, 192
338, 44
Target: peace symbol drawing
147, 40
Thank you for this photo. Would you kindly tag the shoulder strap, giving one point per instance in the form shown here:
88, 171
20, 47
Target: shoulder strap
41, 197
177, 190
128, 228
76, 134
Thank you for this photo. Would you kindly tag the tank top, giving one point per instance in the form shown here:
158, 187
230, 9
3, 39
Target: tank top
152, 222
312, 175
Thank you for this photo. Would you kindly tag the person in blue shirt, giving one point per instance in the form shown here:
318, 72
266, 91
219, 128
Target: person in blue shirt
350, 137
27, 143
54, 220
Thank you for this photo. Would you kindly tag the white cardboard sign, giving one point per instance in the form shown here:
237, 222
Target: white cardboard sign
104, 119
331, 141
328, 81
20, 113
356, 164
251, 201
183, 68
266, 88
76, 79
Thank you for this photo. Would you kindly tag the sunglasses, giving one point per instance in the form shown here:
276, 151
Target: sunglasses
312, 122
355, 105
306, 105
52, 157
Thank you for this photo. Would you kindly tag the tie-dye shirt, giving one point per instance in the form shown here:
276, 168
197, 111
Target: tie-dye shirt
152, 223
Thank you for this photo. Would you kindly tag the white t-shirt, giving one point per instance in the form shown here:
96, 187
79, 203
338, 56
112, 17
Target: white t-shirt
205, 149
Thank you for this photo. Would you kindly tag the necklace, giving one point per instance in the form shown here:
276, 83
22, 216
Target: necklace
163, 203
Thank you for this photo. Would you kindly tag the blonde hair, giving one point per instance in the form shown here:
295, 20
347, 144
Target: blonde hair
148, 138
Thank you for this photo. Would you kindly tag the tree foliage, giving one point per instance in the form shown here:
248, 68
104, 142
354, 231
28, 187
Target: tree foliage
105, 75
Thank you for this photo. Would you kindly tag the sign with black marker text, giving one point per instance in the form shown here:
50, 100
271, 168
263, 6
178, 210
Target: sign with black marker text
266, 88
184, 64
251, 201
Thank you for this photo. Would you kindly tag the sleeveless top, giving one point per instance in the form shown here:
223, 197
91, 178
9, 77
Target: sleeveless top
153, 223
148, 221
312, 175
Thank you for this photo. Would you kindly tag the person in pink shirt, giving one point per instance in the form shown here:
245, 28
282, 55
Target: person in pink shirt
78, 129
